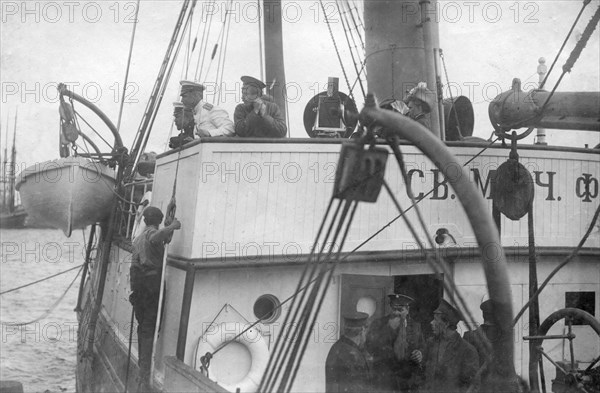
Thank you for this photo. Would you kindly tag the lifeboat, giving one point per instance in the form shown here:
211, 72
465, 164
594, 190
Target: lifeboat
67, 193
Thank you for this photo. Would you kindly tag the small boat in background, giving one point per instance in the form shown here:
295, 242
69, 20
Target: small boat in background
67, 193
12, 215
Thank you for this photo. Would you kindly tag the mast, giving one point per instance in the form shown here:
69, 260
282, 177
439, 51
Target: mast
274, 68
12, 169
4, 162
401, 38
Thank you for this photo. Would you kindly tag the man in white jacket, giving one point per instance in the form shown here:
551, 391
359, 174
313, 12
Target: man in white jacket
210, 120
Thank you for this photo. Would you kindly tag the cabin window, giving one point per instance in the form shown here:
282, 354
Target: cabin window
267, 308
585, 301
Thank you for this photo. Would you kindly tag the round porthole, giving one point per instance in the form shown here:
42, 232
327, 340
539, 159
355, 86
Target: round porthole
267, 308
367, 305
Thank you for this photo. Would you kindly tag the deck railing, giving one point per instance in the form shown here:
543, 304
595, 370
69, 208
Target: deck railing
134, 193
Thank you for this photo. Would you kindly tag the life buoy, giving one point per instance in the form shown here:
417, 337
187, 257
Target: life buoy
217, 336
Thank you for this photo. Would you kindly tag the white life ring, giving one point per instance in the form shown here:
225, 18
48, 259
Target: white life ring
251, 339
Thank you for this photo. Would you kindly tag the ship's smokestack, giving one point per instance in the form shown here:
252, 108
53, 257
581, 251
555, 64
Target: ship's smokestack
401, 39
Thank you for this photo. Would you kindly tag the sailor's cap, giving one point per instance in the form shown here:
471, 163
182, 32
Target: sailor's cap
399, 299
452, 315
487, 306
249, 80
355, 319
187, 86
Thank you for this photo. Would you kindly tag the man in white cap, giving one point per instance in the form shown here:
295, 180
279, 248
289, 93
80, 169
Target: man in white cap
396, 343
210, 120
255, 116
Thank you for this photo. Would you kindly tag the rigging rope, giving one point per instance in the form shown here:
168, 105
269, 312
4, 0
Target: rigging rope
557, 269
160, 84
40, 280
567, 67
305, 282
337, 52
223, 53
169, 217
135, 22
394, 144
346, 28
585, 3
261, 52
305, 312
204, 39
51, 309
460, 135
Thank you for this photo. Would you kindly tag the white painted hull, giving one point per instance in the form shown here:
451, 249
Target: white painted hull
244, 236
67, 193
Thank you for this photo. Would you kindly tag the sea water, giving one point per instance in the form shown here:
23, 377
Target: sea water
42, 353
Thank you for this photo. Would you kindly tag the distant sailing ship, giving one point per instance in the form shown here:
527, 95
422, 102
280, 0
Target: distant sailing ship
12, 214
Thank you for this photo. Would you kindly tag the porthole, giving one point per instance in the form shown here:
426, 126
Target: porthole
367, 305
267, 308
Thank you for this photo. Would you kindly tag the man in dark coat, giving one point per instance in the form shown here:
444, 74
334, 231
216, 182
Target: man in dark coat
346, 368
255, 116
145, 278
451, 363
482, 339
395, 342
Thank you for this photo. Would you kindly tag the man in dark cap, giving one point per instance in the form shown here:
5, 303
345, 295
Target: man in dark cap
185, 123
346, 367
255, 116
395, 342
482, 337
210, 120
451, 363
145, 279
420, 100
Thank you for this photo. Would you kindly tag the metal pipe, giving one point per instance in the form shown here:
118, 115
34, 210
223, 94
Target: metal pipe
550, 337
495, 267
565, 110
274, 64
429, 7
63, 91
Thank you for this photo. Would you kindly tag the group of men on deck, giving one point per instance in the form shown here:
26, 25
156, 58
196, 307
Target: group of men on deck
256, 116
391, 355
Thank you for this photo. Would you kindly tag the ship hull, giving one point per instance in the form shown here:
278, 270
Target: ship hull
251, 244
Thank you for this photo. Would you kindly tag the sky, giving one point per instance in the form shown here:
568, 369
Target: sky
85, 44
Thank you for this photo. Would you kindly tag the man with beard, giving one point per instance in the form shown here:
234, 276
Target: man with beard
255, 116
451, 363
346, 368
395, 342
